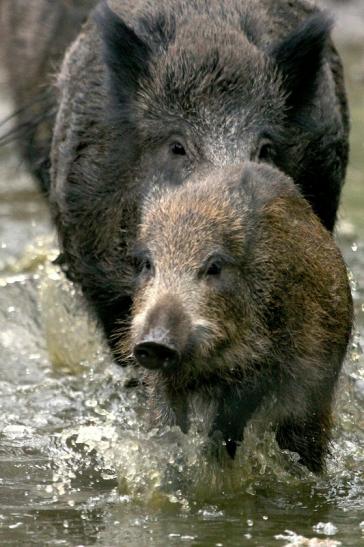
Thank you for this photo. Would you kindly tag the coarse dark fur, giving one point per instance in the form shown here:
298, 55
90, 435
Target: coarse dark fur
241, 295
34, 35
152, 93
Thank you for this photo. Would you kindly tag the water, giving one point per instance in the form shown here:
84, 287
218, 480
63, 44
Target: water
78, 467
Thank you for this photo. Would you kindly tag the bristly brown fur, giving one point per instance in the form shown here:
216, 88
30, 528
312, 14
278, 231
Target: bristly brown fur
274, 323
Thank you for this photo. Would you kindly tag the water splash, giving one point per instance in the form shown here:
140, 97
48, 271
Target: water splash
86, 431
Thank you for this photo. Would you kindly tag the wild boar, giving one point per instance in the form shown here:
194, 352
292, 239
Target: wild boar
240, 296
153, 93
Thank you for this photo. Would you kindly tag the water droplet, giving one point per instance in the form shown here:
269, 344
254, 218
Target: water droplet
251, 490
173, 499
211, 512
354, 247
326, 528
250, 522
13, 526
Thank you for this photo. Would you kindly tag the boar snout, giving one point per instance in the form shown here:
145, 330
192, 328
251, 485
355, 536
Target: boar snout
154, 355
163, 336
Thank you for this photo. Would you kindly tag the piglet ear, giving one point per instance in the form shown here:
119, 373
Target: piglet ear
124, 53
300, 56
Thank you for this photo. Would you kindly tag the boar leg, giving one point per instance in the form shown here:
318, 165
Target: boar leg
233, 413
309, 438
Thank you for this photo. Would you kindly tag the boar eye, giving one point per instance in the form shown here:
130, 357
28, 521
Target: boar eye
147, 265
212, 269
265, 151
177, 149
143, 264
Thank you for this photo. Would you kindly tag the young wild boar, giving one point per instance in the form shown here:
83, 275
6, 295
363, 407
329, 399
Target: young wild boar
240, 295
153, 93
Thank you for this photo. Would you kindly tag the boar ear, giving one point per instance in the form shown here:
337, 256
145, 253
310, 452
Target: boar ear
125, 54
300, 56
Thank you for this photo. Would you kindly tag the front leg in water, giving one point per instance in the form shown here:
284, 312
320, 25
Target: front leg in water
234, 410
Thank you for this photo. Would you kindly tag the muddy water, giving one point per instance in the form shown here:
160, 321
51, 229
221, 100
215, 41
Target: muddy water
77, 466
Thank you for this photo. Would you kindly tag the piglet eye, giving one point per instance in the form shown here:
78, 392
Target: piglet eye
214, 269
177, 149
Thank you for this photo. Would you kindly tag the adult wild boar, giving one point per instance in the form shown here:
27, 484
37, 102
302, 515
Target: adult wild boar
153, 93
241, 295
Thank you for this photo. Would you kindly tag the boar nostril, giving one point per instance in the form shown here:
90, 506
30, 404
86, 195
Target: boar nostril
156, 356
